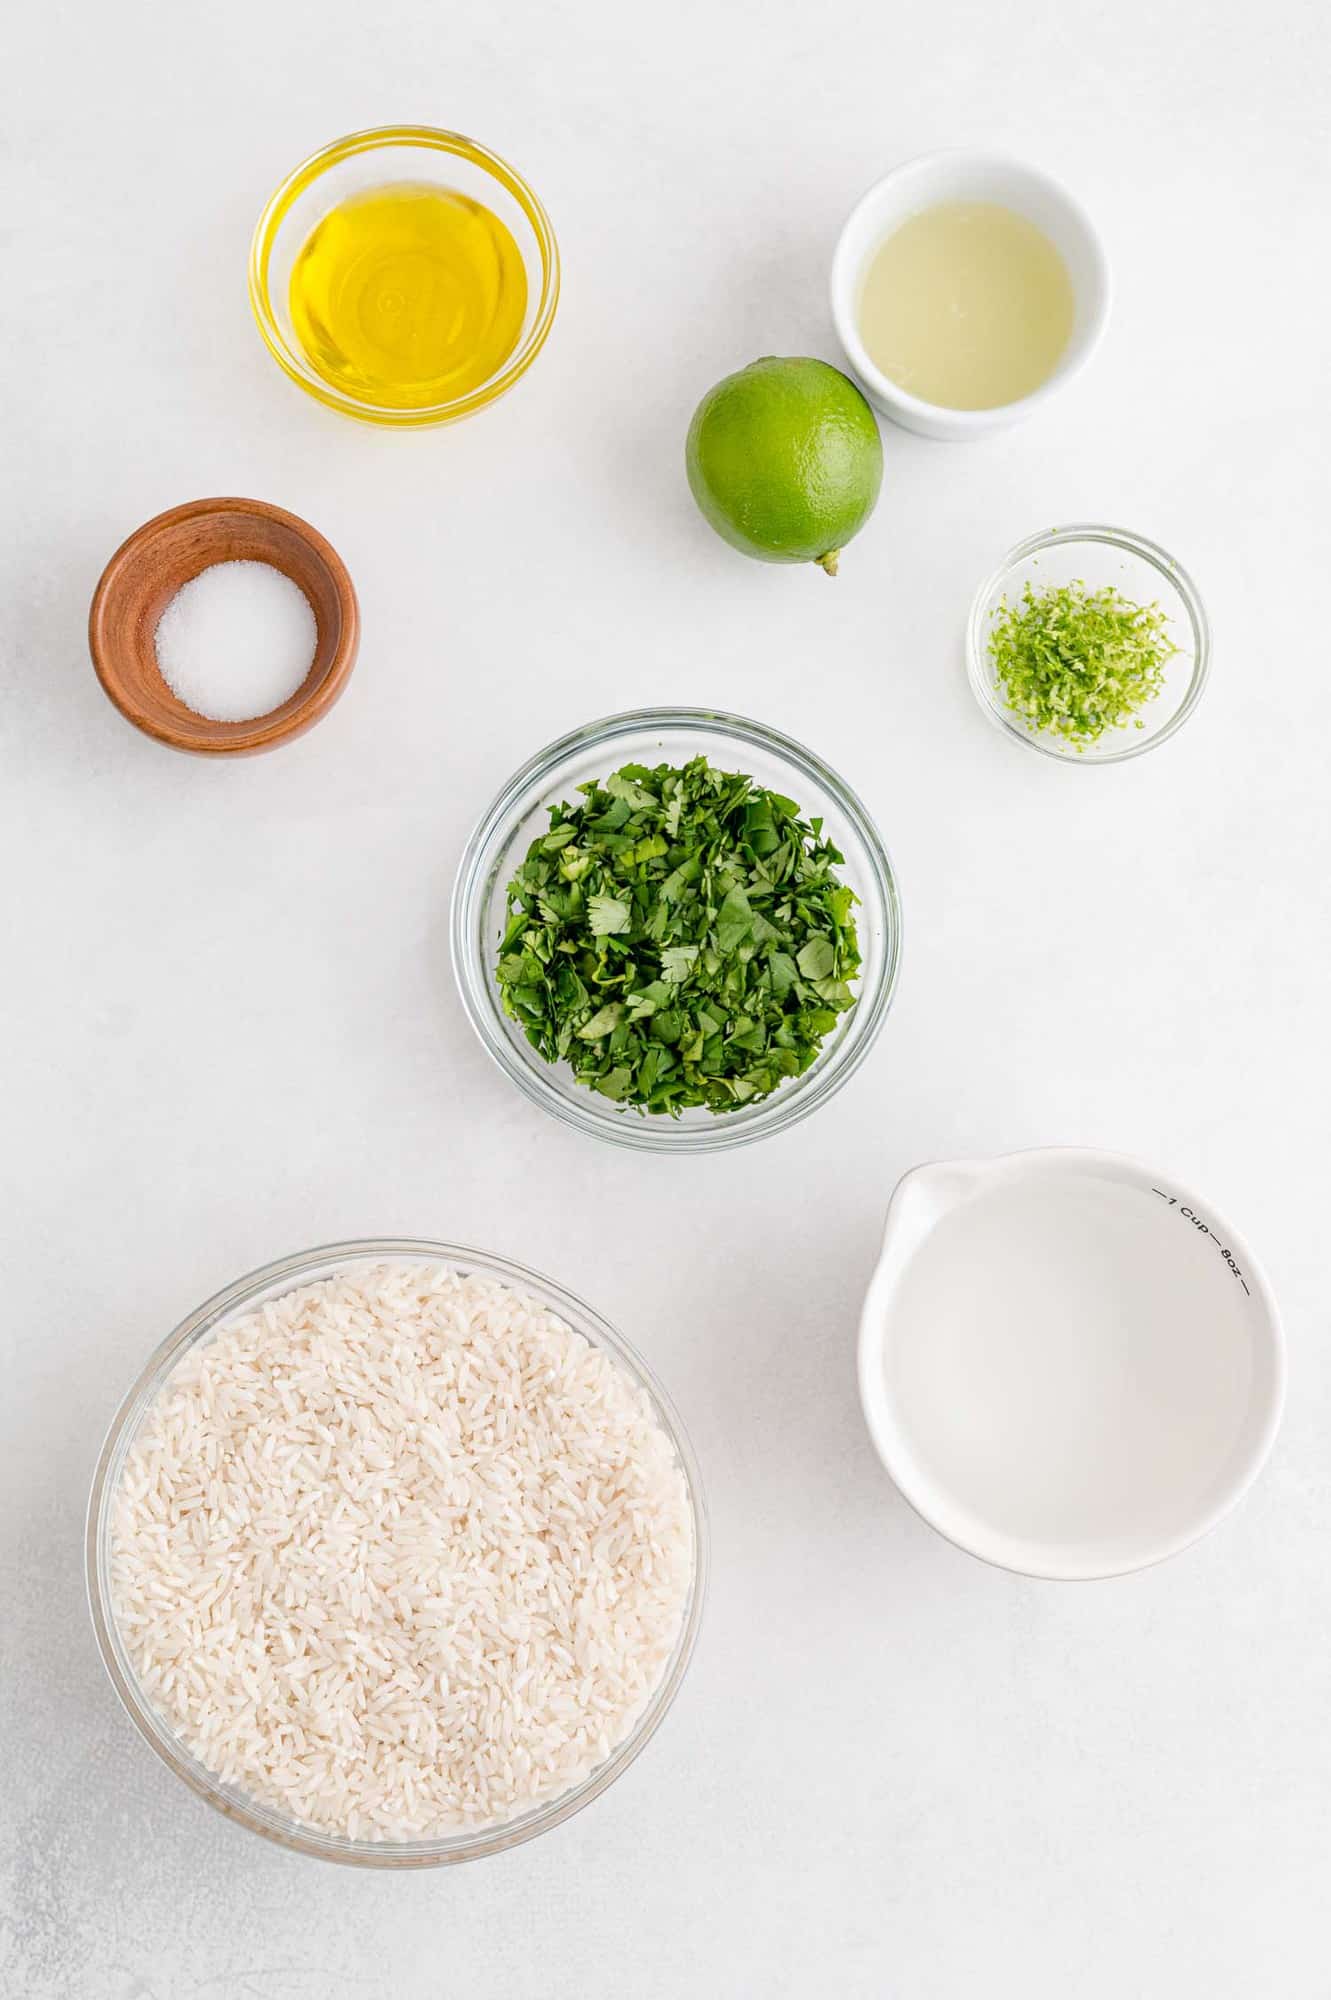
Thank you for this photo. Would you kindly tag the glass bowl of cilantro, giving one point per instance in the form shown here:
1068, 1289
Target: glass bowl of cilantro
677, 930
1089, 644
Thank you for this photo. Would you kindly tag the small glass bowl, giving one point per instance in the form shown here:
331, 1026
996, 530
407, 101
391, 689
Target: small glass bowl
304, 1269
367, 160
671, 736
1096, 557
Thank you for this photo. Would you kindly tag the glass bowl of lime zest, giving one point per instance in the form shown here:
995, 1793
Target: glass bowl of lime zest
1090, 644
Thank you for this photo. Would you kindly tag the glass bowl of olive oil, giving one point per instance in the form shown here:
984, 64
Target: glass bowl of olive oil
404, 275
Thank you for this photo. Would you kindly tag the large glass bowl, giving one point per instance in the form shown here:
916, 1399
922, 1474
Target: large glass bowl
307, 1268
671, 736
1096, 557
371, 159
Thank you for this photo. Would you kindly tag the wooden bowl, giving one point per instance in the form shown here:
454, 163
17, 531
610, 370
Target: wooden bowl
144, 575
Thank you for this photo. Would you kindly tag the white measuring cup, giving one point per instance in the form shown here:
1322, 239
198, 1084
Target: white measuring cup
1071, 1366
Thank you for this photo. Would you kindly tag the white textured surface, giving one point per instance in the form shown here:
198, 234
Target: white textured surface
230, 1028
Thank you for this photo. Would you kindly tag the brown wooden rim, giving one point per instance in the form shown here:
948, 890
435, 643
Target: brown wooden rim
265, 731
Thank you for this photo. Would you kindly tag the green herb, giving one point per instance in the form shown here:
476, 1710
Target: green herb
680, 938
1078, 662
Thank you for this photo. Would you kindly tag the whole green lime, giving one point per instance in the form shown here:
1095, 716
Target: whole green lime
785, 460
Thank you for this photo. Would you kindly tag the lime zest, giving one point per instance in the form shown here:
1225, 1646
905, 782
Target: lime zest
1075, 663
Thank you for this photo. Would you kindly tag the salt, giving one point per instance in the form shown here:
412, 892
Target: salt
236, 641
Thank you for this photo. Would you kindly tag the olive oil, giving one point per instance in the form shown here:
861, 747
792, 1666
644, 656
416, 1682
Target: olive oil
408, 295
967, 305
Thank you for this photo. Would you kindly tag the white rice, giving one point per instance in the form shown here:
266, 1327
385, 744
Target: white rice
400, 1553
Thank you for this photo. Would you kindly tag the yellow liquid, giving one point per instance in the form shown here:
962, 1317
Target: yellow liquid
967, 305
408, 295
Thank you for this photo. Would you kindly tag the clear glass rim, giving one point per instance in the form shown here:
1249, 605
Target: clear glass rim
786, 1106
308, 1266
376, 138
1132, 544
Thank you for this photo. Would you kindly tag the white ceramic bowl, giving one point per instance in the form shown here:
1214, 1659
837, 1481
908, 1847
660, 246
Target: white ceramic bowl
968, 176
1070, 1365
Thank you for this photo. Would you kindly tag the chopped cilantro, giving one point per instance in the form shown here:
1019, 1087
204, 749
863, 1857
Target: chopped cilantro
679, 937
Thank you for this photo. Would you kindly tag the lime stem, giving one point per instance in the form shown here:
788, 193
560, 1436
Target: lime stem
829, 561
